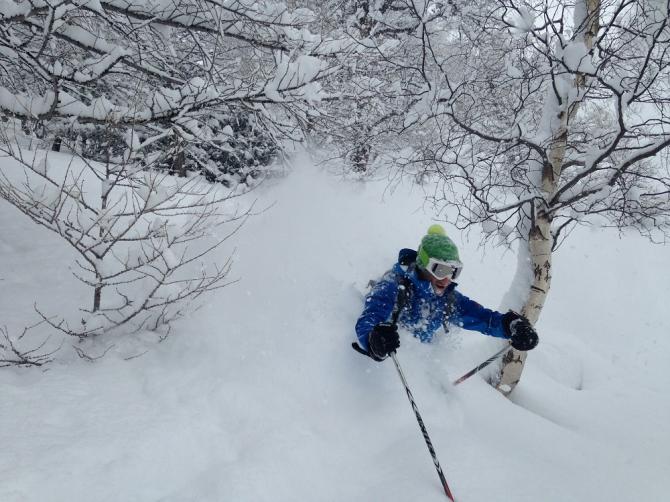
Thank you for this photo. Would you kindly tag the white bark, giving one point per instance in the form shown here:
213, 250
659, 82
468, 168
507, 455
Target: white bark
540, 239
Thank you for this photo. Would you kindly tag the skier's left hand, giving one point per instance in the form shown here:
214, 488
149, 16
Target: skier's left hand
520, 331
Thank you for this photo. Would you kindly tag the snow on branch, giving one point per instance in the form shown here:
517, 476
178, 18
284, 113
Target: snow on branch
132, 62
556, 111
142, 236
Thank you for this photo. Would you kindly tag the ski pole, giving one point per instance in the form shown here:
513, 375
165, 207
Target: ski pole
424, 431
401, 299
482, 365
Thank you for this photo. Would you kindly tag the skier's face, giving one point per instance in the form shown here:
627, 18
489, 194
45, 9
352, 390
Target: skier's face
439, 285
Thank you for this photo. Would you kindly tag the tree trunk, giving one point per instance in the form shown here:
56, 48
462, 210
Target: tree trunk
360, 157
105, 188
97, 293
179, 160
539, 246
540, 239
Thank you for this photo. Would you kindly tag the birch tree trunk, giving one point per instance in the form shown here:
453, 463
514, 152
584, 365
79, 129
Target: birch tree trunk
539, 244
540, 240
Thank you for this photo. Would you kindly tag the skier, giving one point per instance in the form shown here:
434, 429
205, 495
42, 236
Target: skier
428, 276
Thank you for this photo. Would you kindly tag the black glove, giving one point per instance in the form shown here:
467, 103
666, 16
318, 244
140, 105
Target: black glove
382, 340
520, 331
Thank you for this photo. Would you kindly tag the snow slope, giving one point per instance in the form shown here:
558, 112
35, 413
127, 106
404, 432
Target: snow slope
259, 397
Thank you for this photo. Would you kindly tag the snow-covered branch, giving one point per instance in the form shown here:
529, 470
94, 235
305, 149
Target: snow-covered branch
136, 62
142, 236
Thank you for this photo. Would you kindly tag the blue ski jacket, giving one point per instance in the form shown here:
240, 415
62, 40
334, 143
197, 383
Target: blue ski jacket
425, 311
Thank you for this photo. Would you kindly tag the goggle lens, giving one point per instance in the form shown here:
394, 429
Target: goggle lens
441, 270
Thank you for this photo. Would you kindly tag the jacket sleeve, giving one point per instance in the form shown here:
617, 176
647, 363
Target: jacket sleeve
470, 315
378, 308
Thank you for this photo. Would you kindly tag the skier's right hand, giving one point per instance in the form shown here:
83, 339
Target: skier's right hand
382, 340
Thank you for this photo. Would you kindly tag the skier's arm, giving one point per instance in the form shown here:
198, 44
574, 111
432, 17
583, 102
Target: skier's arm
378, 308
471, 315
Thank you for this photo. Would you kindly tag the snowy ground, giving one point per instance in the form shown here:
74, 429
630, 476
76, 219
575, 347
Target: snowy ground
259, 397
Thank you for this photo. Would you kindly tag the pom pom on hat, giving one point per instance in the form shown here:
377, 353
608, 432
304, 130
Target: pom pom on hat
436, 229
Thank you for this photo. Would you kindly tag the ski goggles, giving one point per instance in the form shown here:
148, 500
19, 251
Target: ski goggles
443, 269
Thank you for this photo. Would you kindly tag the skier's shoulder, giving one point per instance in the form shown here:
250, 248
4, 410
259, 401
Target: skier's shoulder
406, 257
399, 273
403, 271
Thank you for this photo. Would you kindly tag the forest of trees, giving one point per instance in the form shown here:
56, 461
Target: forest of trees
526, 117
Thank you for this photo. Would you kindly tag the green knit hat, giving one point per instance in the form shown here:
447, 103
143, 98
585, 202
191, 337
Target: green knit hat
436, 244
